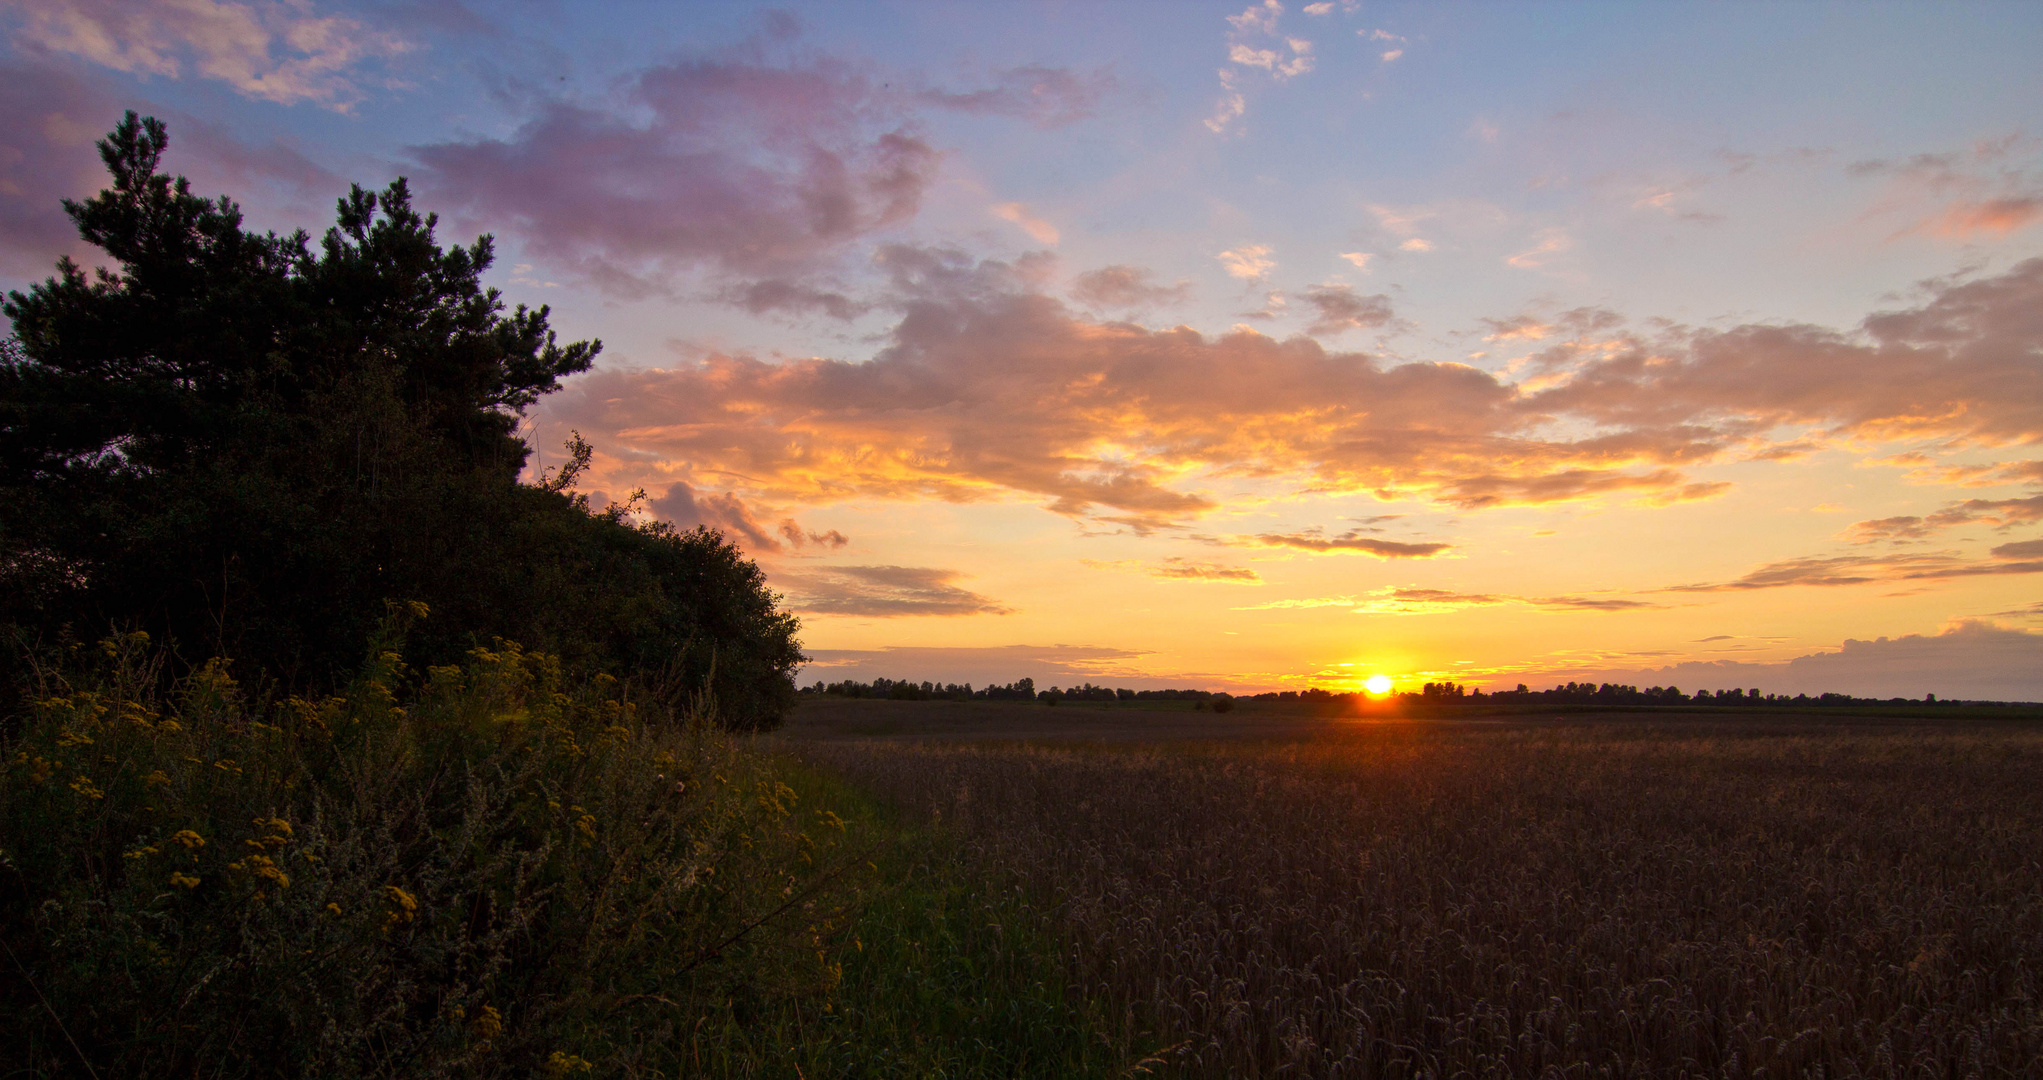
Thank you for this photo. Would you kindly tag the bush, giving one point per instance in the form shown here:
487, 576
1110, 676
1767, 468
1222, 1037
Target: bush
485, 869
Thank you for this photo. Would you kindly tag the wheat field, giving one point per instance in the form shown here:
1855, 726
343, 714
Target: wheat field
1618, 898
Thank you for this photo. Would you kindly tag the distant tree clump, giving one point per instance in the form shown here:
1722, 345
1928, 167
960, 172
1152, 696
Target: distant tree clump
248, 443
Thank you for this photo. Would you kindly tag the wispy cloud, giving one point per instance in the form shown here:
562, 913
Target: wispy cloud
883, 592
1250, 262
1041, 231
2005, 513
271, 51
1350, 542
1417, 601
1254, 44
1122, 286
1181, 569
1337, 308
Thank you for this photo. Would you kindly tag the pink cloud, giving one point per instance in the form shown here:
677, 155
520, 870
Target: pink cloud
989, 389
752, 169
278, 52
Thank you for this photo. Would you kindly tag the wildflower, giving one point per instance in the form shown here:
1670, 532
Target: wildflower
192, 841
262, 867
170, 727
142, 852
334, 910
84, 786
227, 765
184, 880
559, 1065
487, 1025
403, 907
67, 737
157, 777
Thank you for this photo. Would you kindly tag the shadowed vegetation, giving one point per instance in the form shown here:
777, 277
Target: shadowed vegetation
1685, 898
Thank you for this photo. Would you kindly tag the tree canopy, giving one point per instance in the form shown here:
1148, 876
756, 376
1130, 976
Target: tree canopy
249, 443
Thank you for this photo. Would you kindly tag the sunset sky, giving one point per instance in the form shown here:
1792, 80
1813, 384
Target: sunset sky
1191, 344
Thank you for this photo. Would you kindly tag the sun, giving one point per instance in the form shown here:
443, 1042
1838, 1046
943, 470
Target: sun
1377, 684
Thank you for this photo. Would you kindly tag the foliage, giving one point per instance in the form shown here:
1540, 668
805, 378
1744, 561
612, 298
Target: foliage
1614, 899
491, 869
244, 444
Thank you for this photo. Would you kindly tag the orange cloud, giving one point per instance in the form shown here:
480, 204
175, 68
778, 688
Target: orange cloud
1996, 217
989, 389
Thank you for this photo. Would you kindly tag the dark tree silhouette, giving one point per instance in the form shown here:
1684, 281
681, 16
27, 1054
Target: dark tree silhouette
247, 443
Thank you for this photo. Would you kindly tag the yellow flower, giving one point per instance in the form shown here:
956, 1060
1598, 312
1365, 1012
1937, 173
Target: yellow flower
403, 908
334, 910
487, 1025
142, 852
560, 1065
157, 777
192, 841
170, 727
181, 879
84, 786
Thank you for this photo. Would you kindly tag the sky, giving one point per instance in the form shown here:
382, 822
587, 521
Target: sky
1235, 346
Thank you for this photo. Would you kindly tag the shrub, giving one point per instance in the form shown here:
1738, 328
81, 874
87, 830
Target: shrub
482, 869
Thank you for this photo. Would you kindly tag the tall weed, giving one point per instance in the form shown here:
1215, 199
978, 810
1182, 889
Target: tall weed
481, 870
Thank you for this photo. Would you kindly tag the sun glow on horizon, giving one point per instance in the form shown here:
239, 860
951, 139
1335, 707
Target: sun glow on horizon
1377, 684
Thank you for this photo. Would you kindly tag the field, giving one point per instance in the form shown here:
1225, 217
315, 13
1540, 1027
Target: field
1636, 895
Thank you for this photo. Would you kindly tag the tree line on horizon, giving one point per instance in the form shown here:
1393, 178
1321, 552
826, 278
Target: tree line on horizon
1430, 695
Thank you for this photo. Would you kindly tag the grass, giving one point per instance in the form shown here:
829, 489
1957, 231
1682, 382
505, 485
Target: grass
944, 974
1681, 897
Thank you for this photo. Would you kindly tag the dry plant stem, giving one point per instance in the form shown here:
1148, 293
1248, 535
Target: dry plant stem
58, 1020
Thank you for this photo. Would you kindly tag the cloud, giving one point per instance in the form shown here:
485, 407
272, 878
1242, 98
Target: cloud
1967, 218
276, 52
49, 121
1121, 286
987, 388
1550, 242
1416, 601
1972, 660
999, 664
1517, 328
1975, 193
751, 169
1248, 48
2005, 513
1348, 542
792, 295
1041, 231
1047, 97
1359, 258
1835, 570
1416, 244
882, 592
1960, 368
686, 508
2021, 549
1338, 309
1181, 569
797, 537
1250, 262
